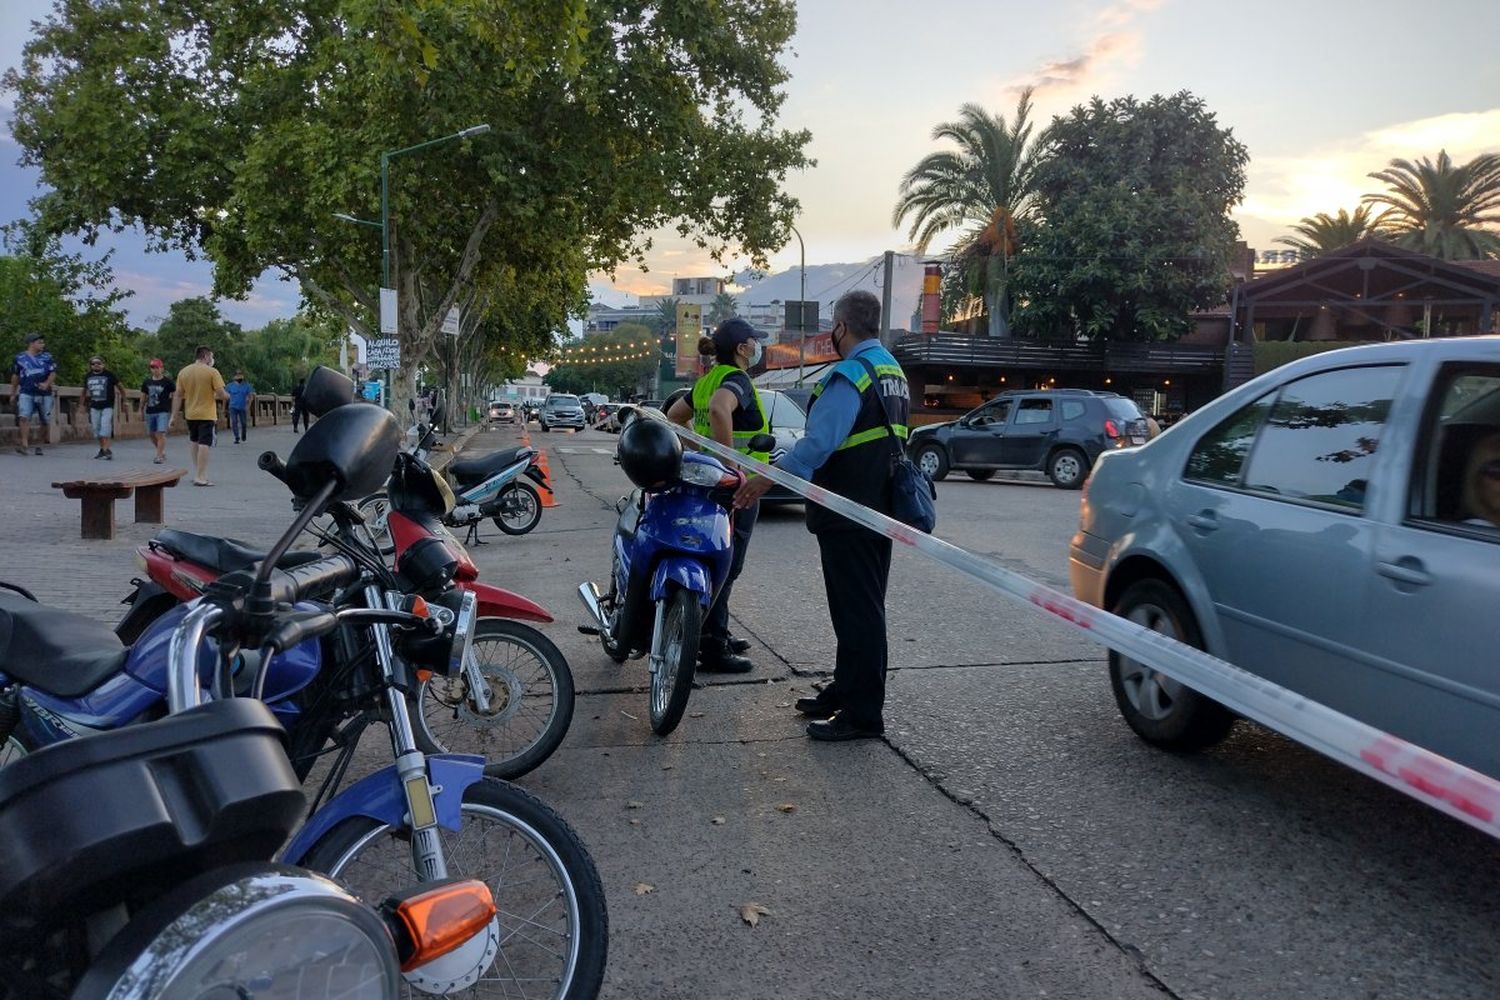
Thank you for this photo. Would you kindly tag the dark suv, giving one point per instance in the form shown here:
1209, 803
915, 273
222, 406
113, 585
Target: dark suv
1057, 431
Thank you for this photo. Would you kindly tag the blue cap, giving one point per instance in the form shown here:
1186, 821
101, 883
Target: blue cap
735, 331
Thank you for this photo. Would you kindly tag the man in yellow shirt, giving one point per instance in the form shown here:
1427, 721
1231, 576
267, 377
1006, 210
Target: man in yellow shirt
200, 387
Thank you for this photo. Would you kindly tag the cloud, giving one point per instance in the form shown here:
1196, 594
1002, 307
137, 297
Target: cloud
1115, 43
1280, 190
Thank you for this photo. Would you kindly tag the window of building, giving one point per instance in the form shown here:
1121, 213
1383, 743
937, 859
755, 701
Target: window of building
1318, 443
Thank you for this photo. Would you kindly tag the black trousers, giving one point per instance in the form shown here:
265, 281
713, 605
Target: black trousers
856, 568
716, 628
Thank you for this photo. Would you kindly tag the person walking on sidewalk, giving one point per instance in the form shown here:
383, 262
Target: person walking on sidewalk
200, 387
31, 380
725, 406
157, 392
855, 409
102, 390
241, 398
298, 413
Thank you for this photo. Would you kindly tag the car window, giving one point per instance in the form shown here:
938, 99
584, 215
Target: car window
1034, 411
1318, 443
1456, 482
1121, 409
1220, 454
1072, 409
991, 414
782, 413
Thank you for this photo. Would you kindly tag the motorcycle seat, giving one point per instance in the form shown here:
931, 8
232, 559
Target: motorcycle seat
57, 651
223, 555
477, 470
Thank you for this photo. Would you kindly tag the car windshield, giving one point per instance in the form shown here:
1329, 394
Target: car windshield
783, 412
557, 399
1122, 409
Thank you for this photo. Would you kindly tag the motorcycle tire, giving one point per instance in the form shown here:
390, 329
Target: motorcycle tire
374, 509
528, 505
504, 830
672, 681
542, 684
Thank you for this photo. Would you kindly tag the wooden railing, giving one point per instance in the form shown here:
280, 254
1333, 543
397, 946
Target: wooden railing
1103, 356
70, 419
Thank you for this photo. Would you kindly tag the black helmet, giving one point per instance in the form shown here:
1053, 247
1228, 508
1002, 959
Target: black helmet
649, 452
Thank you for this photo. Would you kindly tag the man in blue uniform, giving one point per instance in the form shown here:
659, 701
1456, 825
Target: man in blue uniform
848, 450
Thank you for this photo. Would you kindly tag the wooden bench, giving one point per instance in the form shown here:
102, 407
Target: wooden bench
100, 493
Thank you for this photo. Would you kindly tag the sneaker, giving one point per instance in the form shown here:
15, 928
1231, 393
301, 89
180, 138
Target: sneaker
36, 451
20, 450
158, 460
109, 456
99, 453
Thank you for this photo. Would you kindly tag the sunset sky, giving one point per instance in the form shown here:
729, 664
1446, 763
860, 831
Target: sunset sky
1321, 91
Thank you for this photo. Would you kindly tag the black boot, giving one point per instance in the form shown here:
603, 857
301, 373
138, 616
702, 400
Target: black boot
738, 645
715, 658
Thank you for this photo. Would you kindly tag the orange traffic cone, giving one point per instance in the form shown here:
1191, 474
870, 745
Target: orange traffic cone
548, 494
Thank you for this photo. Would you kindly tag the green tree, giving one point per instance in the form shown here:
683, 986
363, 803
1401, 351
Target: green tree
1318, 234
617, 363
1441, 208
284, 350
1134, 230
235, 130
724, 306
984, 188
193, 323
665, 319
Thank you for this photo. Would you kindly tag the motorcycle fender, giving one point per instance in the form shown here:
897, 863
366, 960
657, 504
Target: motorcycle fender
535, 474
497, 603
689, 574
381, 797
148, 602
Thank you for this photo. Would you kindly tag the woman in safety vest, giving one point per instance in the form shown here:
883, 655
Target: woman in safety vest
725, 406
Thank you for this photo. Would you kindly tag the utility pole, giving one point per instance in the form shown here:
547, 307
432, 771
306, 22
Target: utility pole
801, 304
885, 299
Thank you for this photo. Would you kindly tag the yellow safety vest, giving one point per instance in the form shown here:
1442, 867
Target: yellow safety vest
703, 393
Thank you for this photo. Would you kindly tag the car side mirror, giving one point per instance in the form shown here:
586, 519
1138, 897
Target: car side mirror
763, 442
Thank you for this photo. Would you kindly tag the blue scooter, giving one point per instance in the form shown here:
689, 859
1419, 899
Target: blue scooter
671, 555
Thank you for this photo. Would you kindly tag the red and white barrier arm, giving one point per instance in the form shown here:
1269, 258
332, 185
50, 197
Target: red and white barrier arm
1459, 791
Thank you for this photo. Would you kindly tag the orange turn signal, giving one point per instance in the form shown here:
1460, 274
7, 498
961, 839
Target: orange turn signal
419, 607
423, 676
442, 918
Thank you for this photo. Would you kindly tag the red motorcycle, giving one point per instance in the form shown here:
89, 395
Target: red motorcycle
513, 701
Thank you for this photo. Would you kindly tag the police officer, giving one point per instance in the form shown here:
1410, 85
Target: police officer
848, 450
725, 406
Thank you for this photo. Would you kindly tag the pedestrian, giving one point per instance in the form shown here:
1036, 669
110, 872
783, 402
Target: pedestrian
200, 388
157, 392
241, 398
855, 409
102, 389
299, 415
32, 378
725, 406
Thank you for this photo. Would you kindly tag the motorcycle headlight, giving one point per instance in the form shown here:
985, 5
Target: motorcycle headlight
256, 930
703, 474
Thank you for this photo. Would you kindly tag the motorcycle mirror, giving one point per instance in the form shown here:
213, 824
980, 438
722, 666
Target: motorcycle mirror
326, 390
353, 445
763, 442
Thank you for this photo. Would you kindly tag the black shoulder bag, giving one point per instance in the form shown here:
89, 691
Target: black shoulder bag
912, 490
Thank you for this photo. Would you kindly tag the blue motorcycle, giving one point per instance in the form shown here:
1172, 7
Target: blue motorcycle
328, 669
671, 554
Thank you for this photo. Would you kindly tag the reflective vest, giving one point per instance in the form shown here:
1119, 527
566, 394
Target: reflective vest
744, 426
860, 467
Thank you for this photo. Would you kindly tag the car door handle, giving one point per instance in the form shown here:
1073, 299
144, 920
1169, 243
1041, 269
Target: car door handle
1407, 570
1205, 520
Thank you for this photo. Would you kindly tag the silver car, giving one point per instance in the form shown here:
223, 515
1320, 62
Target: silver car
1332, 526
561, 410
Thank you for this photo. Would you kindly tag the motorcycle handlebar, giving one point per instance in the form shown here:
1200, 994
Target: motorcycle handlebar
271, 462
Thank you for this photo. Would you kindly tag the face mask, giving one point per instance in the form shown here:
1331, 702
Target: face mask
755, 353
239, 378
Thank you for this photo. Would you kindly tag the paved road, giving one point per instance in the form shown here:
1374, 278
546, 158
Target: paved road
1009, 838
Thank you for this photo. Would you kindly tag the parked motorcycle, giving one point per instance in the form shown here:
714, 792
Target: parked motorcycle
670, 556
327, 672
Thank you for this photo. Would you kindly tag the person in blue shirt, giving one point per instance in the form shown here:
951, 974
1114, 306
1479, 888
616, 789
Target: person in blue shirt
241, 395
855, 410
31, 381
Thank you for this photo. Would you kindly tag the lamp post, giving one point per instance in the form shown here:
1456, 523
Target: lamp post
384, 225
801, 304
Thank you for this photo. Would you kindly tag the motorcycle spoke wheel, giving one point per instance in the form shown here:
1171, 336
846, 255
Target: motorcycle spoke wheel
375, 510
554, 928
530, 694
672, 679
11, 750
520, 509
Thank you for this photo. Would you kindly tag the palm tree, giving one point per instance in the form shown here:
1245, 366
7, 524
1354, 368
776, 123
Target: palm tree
724, 306
666, 315
983, 187
1321, 233
1442, 209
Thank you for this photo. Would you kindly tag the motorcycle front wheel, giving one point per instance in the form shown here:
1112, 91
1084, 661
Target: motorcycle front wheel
554, 928
529, 689
672, 678
520, 509
375, 508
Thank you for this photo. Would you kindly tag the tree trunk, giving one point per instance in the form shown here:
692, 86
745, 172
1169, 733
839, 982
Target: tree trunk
996, 299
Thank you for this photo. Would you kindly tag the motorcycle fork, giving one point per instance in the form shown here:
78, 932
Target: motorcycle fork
411, 763
658, 637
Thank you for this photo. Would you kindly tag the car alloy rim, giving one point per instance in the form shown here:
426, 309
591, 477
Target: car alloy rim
928, 463
1068, 468
1151, 692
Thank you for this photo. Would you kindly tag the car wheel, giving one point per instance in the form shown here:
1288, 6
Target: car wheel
931, 460
1163, 711
1067, 468
981, 475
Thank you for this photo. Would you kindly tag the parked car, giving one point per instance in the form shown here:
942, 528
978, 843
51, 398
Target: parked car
1061, 432
502, 412
561, 409
1332, 526
788, 422
607, 417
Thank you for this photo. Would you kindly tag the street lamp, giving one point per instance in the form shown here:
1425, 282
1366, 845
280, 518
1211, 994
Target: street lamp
801, 304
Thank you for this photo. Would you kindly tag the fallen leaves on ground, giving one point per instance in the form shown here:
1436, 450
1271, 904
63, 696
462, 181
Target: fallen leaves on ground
718, 821
644, 888
786, 807
751, 913
633, 804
